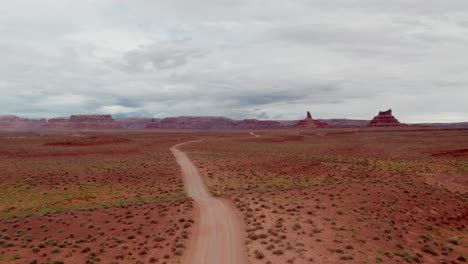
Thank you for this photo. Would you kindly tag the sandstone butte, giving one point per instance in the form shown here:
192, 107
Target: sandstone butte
83, 122
309, 122
385, 118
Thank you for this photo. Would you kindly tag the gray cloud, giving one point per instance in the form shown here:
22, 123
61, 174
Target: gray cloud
239, 58
159, 56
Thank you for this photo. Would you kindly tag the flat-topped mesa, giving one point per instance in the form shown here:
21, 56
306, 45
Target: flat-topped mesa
83, 122
91, 118
309, 122
385, 118
153, 124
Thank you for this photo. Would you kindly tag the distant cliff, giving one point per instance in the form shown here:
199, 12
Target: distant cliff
83, 122
216, 123
14, 122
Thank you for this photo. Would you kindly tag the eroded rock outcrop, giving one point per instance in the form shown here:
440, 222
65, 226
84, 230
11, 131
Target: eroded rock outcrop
346, 123
197, 122
15, 122
83, 122
216, 123
153, 124
133, 123
385, 118
309, 122
258, 124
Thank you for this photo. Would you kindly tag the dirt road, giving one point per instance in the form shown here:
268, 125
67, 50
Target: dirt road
219, 235
253, 134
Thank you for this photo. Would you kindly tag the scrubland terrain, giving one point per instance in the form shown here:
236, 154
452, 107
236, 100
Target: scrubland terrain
317, 196
345, 196
89, 198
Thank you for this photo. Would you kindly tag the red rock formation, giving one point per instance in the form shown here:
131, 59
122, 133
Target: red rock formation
385, 118
9, 118
91, 118
258, 124
133, 123
14, 122
153, 124
343, 123
216, 123
196, 122
83, 122
309, 122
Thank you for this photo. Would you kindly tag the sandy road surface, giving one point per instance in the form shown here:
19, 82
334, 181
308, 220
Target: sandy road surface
253, 134
219, 235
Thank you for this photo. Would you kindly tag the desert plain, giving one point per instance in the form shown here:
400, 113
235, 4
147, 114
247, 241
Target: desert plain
302, 196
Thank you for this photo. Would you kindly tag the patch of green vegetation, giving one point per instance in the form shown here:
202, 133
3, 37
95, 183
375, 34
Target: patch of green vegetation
101, 204
426, 237
23, 199
95, 165
465, 169
261, 184
15, 257
408, 257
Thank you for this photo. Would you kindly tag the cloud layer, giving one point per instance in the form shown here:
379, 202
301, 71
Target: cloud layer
257, 58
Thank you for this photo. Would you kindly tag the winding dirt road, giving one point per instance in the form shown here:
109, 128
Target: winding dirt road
219, 235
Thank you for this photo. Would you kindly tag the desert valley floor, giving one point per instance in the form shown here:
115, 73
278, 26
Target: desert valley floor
302, 196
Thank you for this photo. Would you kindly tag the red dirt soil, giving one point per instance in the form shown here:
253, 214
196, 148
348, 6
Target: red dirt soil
327, 196
138, 233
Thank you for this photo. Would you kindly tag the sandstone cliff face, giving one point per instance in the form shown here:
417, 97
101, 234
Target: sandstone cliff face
83, 122
9, 118
258, 124
91, 118
385, 118
153, 124
216, 123
309, 123
14, 122
195, 122
133, 123
344, 123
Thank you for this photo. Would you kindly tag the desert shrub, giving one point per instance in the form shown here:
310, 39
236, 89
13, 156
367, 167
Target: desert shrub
258, 254
346, 257
430, 250
278, 252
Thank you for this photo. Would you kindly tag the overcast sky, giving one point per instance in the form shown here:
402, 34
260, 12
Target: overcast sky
267, 59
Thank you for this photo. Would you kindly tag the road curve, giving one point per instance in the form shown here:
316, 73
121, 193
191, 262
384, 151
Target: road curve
219, 234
